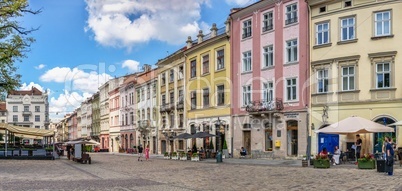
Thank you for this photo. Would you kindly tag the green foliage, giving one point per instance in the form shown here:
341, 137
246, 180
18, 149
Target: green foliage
14, 41
174, 154
195, 154
166, 154
225, 146
88, 148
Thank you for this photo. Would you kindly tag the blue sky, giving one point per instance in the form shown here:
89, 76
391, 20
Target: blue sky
80, 44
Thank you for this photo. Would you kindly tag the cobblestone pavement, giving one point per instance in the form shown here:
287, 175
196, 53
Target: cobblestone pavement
124, 172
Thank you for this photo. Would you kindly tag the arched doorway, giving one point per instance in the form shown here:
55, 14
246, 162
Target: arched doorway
292, 138
379, 137
131, 141
126, 142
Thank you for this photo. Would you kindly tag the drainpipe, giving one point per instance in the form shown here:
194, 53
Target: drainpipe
308, 153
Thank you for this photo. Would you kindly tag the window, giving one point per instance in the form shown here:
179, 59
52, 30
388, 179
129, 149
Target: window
291, 14
180, 73
205, 64
268, 56
37, 118
15, 118
15, 108
180, 96
193, 96
138, 95
348, 29
221, 95
323, 9
205, 97
382, 23
291, 50
132, 117
171, 97
181, 120
163, 99
148, 114
172, 121
246, 28
322, 33
383, 75
143, 114
322, 81
247, 61
246, 95
37, 126
268, 23
163, 122
163, 79
291, 89
193, 69
142, 94
26, 118
26, 107
348, 4
171, 76
268, 91
348, 78
154, 90
220, 59
148, 92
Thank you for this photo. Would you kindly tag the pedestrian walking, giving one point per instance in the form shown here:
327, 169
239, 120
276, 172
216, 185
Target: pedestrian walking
390, 156
147, 153
140, 152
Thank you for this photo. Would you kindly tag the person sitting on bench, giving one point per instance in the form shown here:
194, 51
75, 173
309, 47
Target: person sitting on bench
243, 152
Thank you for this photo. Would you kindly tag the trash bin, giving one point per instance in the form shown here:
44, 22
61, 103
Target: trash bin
219, 157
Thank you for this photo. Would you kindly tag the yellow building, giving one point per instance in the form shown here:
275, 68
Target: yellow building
354, 67
208, 88
171, 98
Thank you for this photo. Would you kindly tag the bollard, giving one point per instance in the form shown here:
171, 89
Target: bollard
218, 157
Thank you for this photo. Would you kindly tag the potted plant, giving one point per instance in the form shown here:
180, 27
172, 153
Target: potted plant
183, 156
195, 157
166, 155
174, 156
366, 162
321, 162
225, 153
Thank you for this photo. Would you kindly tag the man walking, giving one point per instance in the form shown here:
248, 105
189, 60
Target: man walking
140, 152
390, 156
358, 146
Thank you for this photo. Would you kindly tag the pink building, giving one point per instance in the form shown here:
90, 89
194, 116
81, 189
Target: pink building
270, 58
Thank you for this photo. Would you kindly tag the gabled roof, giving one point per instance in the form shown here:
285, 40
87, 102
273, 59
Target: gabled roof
33, 91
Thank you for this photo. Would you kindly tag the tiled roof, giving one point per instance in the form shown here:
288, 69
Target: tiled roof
33, 91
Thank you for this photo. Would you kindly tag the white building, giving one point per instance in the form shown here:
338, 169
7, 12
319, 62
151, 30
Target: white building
104, 115
114, 113
3, 112
28, 108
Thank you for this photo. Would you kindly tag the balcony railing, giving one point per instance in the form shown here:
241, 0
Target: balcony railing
291, 20
247, 34
180, 105
264, 106
26, 113
162, 108
144, 124
267, 28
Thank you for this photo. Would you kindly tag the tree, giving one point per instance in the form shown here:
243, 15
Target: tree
15, 41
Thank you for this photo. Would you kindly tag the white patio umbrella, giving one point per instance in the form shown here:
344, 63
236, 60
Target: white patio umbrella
354, 124
398, 123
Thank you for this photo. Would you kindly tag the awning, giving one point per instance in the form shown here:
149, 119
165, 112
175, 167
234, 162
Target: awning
26, 132
353, 125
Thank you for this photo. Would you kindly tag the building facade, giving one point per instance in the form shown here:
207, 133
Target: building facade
270, 57
95, 127
104, 116
354, 68
3, 112
28, 108
172, 115
127, 110
208, 88
114, 113
146, 108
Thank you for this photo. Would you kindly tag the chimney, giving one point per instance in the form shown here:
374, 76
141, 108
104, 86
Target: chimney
214, 30
200, 36
189, 42
227, 23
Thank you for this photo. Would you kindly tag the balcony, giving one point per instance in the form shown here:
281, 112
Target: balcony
291, 20
262, 106
170, 106
142, 124
180, 105
162, 108
26, 113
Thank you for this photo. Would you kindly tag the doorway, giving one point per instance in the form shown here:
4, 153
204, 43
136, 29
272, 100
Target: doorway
171, 146
247, 141
163, 147
328, 141
292, 138
380, 137
153, 145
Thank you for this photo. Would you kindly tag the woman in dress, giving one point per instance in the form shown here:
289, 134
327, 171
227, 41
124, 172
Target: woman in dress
147, 153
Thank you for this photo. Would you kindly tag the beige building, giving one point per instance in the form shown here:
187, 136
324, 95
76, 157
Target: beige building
355, 67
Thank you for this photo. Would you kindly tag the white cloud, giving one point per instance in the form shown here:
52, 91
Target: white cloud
40, 66
25, 86
66, 103
83, 79
132, 65
240, 2
124, 23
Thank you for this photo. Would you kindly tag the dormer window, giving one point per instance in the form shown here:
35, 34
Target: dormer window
348, 3
323, 9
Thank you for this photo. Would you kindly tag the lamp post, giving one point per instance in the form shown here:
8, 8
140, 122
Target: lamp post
220, 131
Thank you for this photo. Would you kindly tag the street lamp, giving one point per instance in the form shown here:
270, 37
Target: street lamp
220, 131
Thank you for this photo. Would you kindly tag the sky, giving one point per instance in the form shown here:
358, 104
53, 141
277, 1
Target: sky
81, 44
